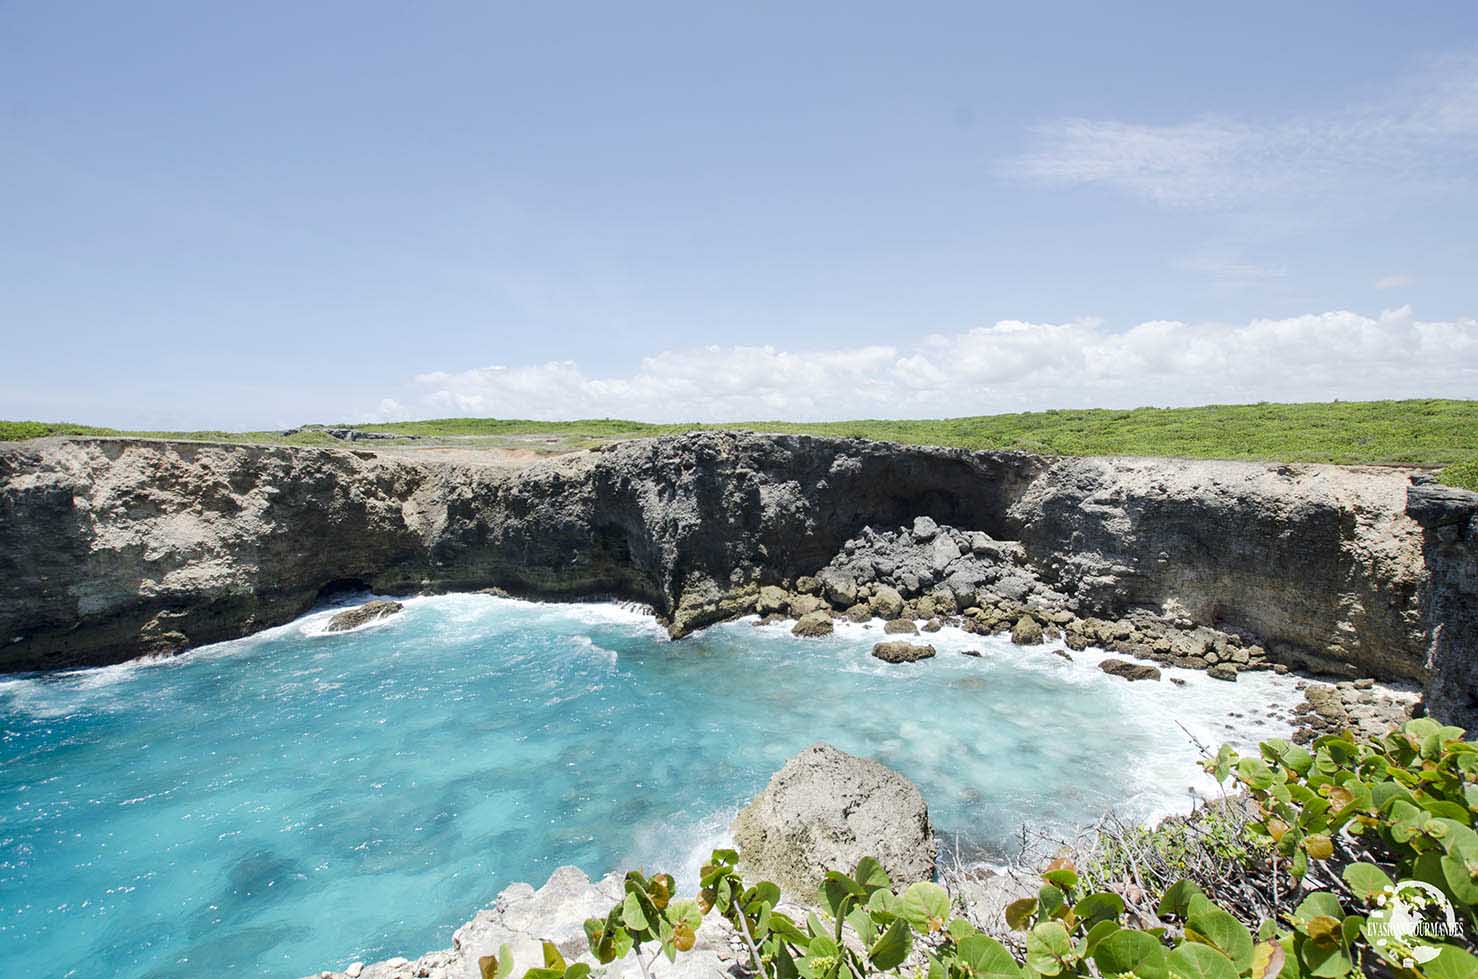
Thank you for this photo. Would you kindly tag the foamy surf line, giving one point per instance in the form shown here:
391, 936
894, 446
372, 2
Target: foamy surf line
1189, 713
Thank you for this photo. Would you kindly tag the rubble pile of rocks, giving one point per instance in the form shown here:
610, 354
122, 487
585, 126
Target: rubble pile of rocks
927, 576
1354, 705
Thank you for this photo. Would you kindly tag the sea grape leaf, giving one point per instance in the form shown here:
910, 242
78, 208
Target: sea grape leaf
1176, 899
988, 958
1366, 880
1223, 932
926, 906
892, 946
1019, 913
1048, 948
1193, 961
1127, 950
1103, 906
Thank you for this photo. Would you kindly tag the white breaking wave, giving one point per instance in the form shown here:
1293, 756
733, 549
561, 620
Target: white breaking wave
610, 656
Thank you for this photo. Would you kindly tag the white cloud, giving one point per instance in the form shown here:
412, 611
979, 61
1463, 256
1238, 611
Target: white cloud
1394, 281
392, 410
1421, 134
1009, 366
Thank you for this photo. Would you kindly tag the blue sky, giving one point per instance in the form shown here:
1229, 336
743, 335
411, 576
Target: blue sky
257, 215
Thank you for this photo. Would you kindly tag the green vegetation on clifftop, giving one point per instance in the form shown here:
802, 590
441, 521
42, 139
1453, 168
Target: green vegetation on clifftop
1423, 432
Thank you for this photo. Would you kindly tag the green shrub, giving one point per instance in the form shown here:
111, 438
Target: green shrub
1464, 475
1424, 432
1338, 823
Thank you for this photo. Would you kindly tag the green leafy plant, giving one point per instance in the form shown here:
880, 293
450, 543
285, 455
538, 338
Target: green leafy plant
1349, 819
1338, 823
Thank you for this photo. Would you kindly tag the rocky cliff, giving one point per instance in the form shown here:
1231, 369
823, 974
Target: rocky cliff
1449, 521
114, 548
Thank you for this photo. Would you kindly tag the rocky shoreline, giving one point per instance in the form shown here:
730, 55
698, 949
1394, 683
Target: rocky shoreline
115, 548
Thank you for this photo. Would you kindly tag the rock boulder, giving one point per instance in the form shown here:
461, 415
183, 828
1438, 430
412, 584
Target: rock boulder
358, 616
899, 651
1129, 671
813, 624
886, 603
825, 810
1026, 632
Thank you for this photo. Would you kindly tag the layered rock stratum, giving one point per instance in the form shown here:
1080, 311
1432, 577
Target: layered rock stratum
116, 548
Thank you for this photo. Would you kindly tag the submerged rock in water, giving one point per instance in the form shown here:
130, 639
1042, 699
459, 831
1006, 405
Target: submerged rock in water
368, 612
1129, 671
899, 651
902, 627
825, 810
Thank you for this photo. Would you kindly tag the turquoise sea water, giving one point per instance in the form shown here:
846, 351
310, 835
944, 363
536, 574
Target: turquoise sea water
296, 800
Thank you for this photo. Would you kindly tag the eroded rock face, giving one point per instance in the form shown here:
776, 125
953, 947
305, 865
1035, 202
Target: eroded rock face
1319, 562
112, 548
825, 810
359, 615
1449, 522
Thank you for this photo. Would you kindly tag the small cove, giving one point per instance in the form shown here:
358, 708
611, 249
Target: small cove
295, 800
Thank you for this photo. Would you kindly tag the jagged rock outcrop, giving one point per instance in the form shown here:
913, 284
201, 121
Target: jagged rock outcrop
1449, 522
825, 810
353, 618
113, 548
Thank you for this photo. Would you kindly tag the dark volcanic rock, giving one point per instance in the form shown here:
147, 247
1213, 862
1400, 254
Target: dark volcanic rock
368, 612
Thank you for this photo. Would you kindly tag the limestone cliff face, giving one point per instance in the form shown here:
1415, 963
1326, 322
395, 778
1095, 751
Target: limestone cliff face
1449, 520
1319, 562
114, 548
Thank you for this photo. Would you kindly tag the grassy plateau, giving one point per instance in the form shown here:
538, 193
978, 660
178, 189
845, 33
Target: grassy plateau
1432, 433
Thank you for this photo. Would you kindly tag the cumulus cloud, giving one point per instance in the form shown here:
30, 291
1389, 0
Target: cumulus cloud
1008, 366
1423, 131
